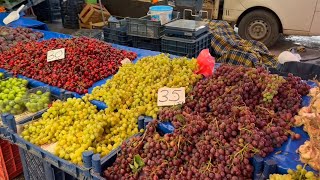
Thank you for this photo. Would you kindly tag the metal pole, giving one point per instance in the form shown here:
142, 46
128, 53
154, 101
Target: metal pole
101, 8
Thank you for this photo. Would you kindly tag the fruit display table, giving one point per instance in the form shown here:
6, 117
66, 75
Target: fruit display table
250, 111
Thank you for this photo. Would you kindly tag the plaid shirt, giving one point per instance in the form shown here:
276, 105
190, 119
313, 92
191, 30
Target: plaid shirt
232, 49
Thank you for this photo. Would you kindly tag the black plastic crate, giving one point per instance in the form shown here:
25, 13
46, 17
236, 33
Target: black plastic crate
120, 24
145, 27
91, 33
146, 43
185, 47
117, 36
191, 4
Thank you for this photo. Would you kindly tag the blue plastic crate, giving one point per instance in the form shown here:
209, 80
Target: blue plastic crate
79, 172
146, 43
185, 47
107, 161
35, 168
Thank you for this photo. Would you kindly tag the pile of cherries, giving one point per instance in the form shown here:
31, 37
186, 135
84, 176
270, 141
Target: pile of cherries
86, 62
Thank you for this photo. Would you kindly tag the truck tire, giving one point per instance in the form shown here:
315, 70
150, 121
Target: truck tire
260, 25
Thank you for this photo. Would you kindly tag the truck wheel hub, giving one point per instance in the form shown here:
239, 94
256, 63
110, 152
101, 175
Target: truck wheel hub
258, 29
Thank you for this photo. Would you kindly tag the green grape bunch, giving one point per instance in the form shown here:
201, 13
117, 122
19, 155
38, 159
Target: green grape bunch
136, 85
12, 92
300, 174
273, 82
132, 92
74, 125
37, 101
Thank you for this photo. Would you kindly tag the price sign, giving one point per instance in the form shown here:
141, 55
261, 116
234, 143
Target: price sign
125, 61
171, 96
56, 54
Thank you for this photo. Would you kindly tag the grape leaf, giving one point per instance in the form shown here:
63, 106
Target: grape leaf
138, 160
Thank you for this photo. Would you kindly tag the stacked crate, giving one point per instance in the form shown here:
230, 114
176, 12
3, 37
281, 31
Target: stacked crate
69, 13
10, 162
186, 38
116, 31
48, 10
145, 33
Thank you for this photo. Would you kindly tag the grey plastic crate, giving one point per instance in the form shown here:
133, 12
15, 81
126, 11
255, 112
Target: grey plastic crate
186, 28
144, 27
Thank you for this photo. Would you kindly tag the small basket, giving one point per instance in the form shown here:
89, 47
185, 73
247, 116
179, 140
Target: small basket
38, 99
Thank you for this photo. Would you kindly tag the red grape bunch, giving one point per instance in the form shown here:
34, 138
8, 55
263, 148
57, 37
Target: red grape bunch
223, 123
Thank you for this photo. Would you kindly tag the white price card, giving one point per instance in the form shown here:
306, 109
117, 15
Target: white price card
125, 61
56, 54
171, 96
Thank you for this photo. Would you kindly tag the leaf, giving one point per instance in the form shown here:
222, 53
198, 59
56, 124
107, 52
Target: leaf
138, 160
133, 168
136, 165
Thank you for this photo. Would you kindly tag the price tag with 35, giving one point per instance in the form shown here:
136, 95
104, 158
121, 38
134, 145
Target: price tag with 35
56, 54
171, 96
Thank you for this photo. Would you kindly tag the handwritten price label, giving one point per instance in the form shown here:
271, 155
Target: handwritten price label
125, 61
56, 54
171, 96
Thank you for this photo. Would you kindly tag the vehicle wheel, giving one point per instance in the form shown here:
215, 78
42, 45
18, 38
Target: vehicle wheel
260, 25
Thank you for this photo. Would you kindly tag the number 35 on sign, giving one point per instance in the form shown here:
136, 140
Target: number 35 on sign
171, 96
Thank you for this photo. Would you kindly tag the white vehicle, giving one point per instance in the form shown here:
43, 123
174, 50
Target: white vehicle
265, 20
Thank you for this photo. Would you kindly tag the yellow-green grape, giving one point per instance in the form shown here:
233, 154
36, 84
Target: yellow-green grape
133, 92
280, 177
301, 173
74, 125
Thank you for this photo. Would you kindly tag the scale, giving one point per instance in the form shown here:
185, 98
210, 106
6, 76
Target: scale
184, 27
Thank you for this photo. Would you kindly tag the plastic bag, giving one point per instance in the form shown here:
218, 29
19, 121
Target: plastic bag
206, 63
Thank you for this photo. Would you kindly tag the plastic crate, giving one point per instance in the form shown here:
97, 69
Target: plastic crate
144, 27
74, 170
35, 168
108, 160
146, 43
117, 36
192, 4
91, 33
120, 24
10, 162
189, 29
185, 47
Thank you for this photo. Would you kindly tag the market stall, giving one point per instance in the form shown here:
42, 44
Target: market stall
126, 113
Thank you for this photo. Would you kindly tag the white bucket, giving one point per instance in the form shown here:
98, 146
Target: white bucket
161, 13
